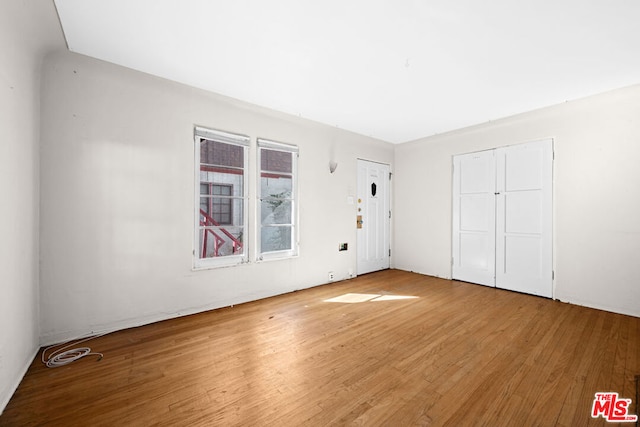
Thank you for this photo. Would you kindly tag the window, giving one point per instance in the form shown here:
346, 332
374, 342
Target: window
221, 199
219, 208
277, 196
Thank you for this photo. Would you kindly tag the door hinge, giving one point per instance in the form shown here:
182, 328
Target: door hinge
390, 176
553, 275
389, 214
389, 252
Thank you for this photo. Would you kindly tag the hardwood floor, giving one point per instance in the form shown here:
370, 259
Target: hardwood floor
458, 354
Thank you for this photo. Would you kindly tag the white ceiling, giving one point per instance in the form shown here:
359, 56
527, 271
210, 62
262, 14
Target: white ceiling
396, 70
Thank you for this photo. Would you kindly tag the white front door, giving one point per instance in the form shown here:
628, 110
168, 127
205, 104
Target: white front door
502, 218
474, 183
372, 217
524, 220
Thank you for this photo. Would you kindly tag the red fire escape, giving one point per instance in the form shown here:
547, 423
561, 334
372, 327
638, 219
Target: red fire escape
207, 221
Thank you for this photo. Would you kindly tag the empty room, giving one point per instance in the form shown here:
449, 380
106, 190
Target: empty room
319, 213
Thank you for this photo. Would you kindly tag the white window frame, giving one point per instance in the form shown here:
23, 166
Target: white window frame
227, 138
293, 149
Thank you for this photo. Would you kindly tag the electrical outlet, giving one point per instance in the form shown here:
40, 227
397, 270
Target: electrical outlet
343, 247
331, 276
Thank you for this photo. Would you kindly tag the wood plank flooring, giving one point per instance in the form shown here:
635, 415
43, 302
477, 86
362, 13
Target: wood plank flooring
458, 354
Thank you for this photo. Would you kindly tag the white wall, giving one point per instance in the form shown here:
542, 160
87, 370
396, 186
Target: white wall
27, 30
117, 198
596, 196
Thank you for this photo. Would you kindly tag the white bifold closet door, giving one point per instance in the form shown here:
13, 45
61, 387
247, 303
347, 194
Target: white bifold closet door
502, 218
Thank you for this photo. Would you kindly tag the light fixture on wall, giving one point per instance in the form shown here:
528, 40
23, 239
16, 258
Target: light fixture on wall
332, 166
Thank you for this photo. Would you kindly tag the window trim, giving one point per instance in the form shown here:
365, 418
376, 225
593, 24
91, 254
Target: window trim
227, 138
263, 143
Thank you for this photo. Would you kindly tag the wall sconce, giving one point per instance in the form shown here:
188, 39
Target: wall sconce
332, 166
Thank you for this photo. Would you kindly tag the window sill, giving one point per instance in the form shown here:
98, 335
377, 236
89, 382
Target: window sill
219, 264
277, 256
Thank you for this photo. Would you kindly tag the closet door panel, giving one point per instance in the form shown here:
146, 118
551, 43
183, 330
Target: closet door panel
524, 218
473, 258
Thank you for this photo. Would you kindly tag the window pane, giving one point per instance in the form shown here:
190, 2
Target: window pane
222, 190
276, 186
215, 211
218, 177
275, 239
221, 241
275, 211
276, 161
204, 205
220, 218
221, 154
277, 199
221, 210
